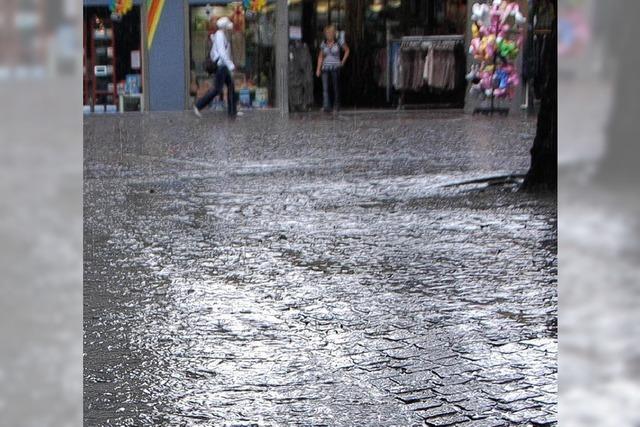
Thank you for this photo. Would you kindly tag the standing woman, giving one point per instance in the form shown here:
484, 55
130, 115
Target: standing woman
221, 57
329, 64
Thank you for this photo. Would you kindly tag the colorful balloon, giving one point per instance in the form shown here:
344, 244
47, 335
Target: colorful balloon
497, 38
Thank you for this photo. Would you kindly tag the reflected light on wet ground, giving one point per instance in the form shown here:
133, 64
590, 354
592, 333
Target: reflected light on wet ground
316, 270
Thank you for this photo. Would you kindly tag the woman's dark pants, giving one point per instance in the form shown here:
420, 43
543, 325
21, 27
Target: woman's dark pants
330, 76
223, 77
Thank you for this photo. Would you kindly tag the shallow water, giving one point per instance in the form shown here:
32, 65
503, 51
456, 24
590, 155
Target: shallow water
315, 271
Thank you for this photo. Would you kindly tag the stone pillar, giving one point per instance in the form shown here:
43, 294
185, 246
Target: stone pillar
469, 101
144, 30
281, 43
166, 74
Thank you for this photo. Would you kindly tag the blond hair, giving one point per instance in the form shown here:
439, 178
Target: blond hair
333, 30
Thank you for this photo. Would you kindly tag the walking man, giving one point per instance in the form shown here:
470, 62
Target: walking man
221, 57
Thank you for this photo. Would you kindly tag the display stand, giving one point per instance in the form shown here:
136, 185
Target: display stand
496, 43
104, 88
489, 111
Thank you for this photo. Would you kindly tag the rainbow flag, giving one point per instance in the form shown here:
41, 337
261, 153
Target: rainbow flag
154, 11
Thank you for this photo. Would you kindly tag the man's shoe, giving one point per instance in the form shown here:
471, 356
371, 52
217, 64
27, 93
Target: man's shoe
197, 112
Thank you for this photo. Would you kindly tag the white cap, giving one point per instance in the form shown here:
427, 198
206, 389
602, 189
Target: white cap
224, 23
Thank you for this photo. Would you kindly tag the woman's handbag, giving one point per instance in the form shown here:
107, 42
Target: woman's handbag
210, 66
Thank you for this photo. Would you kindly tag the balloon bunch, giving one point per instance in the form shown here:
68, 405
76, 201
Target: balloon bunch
119, 8
497, 31
255, 5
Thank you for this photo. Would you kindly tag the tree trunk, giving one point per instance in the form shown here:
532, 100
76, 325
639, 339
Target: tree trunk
619, 166
354, 28
282, 56
543, 173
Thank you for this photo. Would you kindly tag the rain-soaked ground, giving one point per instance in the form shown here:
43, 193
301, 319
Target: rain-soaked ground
316, 271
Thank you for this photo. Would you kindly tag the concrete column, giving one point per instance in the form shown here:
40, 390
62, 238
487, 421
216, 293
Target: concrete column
469, 101
144, 30
281, 43
167, 82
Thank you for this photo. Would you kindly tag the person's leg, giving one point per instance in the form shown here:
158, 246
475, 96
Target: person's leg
213, 92
335, 74
231, 94
326, 103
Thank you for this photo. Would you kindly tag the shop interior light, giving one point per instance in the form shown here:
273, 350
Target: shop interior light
376, 6
322, 7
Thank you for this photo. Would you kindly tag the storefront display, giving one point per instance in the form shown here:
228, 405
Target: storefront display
251, 45
112, 59
374, 30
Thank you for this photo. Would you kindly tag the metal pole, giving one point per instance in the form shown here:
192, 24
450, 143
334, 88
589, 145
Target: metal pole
187, 55
144, 30
282, 56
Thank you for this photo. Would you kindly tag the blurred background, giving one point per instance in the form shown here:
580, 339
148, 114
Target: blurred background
38, 39
41, 213
598, 214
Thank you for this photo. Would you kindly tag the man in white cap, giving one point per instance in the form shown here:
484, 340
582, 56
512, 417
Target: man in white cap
221, 56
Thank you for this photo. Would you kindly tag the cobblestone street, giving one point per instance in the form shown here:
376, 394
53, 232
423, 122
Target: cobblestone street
318, 270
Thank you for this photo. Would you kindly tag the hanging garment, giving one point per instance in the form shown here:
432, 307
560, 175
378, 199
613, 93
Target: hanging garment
266, 31
411, 70
407, 71
300, 77
239, 49
397, 70
440, 68
429, 67
381, 68
449, 78
417, 82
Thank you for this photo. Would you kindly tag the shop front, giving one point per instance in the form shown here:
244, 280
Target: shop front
112, 58
404, 53
148, 55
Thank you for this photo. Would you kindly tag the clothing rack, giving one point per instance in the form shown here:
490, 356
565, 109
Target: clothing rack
422, 43
428, 42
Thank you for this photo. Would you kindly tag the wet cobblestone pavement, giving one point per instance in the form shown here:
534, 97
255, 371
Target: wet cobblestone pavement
316, 271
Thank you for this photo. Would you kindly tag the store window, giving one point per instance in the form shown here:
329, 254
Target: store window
112, 63
252, 44
368, 27
430, 17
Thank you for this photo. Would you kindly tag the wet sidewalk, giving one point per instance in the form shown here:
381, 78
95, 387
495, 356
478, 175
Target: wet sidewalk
316, 271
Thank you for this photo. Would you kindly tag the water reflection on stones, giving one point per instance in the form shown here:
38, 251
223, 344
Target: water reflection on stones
316, 271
